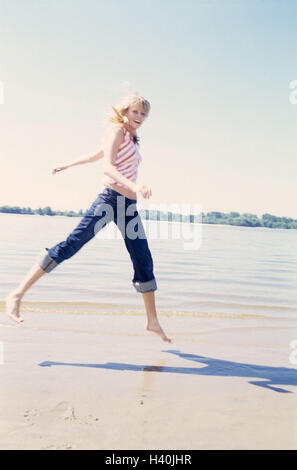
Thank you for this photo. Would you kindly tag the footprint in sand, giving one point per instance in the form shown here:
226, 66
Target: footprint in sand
63, 412
90, 419
66, 412
30, 415
63, 447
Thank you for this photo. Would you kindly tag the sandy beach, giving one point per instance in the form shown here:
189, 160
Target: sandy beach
100, 381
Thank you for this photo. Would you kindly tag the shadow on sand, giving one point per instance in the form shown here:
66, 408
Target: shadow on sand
214, 367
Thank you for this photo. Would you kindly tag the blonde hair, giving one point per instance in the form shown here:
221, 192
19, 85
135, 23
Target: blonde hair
119, 111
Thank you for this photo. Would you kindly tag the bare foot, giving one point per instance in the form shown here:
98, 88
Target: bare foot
156, 328
13, 301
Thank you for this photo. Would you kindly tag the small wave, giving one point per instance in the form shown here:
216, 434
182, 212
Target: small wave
95, 308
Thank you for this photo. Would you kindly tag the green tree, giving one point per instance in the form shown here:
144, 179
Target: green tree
47, 211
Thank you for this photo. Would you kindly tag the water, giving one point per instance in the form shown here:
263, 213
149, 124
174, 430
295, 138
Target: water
237, 271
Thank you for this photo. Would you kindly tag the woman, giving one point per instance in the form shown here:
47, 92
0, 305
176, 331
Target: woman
116, 202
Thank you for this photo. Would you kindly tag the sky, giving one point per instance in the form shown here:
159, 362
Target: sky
222, 129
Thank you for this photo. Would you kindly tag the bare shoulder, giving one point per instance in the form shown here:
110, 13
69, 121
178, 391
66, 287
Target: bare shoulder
117, 129
114, 131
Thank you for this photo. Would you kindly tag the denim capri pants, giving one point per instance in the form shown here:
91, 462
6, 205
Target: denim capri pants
108, 206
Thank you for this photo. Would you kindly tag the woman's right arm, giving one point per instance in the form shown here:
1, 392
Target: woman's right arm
80, 161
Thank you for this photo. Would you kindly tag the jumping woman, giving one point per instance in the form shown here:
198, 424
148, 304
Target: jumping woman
116, 202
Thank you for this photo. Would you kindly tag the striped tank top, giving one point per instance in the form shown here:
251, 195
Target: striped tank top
127, 160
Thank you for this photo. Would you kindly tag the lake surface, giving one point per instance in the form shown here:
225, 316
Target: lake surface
231, 271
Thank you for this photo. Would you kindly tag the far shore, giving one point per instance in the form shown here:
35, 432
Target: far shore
166, 221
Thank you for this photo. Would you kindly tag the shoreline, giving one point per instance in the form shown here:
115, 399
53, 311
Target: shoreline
107, 309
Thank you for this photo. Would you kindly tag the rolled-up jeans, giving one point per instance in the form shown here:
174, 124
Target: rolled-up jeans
108, 206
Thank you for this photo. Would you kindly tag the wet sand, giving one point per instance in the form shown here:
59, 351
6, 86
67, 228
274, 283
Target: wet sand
100, 381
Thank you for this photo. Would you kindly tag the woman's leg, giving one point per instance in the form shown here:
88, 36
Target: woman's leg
50, 258
152, 319
144, 280
13, 300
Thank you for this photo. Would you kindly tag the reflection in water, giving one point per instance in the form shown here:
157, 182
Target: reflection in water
148, 380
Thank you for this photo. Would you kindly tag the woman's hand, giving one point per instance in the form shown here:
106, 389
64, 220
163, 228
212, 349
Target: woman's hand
59, 168
144, 190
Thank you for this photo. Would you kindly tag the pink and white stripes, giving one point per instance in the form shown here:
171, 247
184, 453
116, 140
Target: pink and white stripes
127, 160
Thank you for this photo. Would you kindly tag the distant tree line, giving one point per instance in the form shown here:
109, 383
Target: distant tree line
40, 211
232, 218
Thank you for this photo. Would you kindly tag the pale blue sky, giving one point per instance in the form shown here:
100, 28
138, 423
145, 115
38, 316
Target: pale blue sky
221, 133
